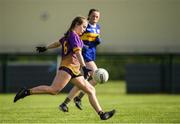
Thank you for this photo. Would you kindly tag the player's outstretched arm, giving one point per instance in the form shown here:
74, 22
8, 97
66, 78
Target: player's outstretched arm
50, 46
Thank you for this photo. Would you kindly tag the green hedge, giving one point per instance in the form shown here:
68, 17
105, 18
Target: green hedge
114, 63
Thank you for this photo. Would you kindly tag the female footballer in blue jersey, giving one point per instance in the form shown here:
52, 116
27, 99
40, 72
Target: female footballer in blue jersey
91, 38
72, 61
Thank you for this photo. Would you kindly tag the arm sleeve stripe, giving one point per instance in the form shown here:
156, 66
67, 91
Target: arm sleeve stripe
76, 49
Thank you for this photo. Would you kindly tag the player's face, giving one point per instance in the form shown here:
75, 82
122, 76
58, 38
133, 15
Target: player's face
81, 28
94, 17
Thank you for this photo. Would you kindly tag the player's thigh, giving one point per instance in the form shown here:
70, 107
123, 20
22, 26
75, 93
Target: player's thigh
91, 65
82, 84
61, 79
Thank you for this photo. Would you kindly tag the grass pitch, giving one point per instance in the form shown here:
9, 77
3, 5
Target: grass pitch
141, 108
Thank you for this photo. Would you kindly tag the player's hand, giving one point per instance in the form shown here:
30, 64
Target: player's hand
41, 49
86, 72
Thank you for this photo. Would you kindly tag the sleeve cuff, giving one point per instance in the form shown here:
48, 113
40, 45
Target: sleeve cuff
76, 49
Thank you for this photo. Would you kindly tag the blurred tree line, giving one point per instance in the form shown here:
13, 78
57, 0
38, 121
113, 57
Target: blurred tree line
115, 64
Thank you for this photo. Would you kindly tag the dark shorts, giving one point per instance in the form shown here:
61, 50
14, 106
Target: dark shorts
69, 72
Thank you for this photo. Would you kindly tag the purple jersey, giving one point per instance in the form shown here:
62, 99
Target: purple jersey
70, 45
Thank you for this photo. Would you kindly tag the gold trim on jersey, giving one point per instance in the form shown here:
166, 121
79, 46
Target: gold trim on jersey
70, 61
76, 49
74, 70
89, 37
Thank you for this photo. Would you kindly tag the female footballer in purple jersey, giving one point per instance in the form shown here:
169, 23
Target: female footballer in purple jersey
69, 69
91, 39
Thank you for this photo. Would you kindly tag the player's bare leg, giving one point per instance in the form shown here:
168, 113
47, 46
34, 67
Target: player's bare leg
91, 92
77, 100
63, 106
59, 82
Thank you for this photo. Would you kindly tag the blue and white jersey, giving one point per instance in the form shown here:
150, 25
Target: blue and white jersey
91, 38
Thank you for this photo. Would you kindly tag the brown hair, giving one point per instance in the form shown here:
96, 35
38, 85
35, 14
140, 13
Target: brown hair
76, 21
91, 11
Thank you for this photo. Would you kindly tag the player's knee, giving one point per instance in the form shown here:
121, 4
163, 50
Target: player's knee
54, 91
91, 90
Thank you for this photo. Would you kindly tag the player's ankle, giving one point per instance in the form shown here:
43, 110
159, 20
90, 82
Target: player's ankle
100, 113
